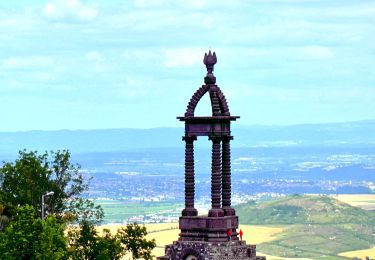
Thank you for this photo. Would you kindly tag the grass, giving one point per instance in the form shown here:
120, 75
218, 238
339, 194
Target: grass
116, 211
317, 227
316, 241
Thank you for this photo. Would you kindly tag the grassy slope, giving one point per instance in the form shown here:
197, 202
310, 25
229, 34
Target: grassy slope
317, 226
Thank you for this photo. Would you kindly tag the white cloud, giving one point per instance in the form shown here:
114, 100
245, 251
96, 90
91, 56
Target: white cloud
43, 76
26, 62
316, 52
195, 3
182, 57
69, 9
139, 3
151, 3
133, 86
94, 56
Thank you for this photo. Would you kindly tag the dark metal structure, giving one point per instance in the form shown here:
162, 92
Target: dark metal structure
213, 236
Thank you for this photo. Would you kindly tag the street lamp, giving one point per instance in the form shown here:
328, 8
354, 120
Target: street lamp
43, 207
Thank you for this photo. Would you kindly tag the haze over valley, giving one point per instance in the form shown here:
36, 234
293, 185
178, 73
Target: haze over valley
144, 167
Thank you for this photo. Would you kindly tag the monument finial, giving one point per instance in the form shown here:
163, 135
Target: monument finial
210, 60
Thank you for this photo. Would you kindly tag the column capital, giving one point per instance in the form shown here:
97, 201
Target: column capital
189, 139
215, 139
227, 138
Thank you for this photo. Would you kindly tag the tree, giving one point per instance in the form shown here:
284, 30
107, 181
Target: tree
133, 239
27, 237
85, 243
32, 175
109, 246
52, 242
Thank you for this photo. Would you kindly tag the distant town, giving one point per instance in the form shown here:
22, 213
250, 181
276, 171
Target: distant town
148, 188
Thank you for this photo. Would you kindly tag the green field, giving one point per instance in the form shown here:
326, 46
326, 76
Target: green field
116, 211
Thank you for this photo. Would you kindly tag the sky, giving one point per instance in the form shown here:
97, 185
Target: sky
74, 64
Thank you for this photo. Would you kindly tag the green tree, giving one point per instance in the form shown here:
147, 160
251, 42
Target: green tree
109, 246
32, 175
133, 239
27, 237
52, 242
85, 243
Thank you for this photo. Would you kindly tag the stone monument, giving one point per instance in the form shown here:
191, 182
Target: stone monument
213, 236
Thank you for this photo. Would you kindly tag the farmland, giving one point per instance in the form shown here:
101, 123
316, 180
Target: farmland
292, 227
166, 233
315, 227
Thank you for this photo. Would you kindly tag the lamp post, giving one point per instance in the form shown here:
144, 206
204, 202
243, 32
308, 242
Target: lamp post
43, 207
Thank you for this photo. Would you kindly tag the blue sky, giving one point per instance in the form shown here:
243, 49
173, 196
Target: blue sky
74, 64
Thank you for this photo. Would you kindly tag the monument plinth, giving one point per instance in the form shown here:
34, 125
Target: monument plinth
213, 236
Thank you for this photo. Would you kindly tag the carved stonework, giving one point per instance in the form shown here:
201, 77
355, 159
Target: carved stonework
234, 250
213, 236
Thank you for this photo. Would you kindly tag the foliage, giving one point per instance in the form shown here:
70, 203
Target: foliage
27, 237
133, 239
32, 175
110, 246
85, 243
52, 242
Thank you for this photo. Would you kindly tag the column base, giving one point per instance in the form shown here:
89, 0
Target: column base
216, 213
189, 212
229, 211
209, 229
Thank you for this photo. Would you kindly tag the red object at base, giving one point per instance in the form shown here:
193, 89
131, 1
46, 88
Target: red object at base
229, 232
241, 234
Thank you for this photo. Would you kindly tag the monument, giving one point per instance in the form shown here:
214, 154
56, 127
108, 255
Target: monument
213, 236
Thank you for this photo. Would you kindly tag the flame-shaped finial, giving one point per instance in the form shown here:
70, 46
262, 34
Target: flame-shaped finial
210, 60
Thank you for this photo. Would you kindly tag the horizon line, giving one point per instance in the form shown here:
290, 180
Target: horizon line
159, 127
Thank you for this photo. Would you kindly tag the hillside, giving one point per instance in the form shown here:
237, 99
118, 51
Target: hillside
315, 226
298, 209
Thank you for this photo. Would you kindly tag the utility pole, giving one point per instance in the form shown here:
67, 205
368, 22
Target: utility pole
43, 206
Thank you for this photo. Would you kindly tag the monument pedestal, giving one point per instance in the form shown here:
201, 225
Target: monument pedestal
208, 229
194, 250
206, 238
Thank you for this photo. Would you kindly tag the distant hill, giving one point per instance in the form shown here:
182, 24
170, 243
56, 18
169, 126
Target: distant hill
317, 227
303, 209
360, 133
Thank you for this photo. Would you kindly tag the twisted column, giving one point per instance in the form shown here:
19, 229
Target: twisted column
189, 177
226, 177
216, 210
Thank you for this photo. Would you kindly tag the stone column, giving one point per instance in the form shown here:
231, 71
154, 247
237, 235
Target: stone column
189, 177
216, 210
226, 177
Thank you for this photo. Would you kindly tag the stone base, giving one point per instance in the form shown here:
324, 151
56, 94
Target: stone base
230, 250
208, 229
